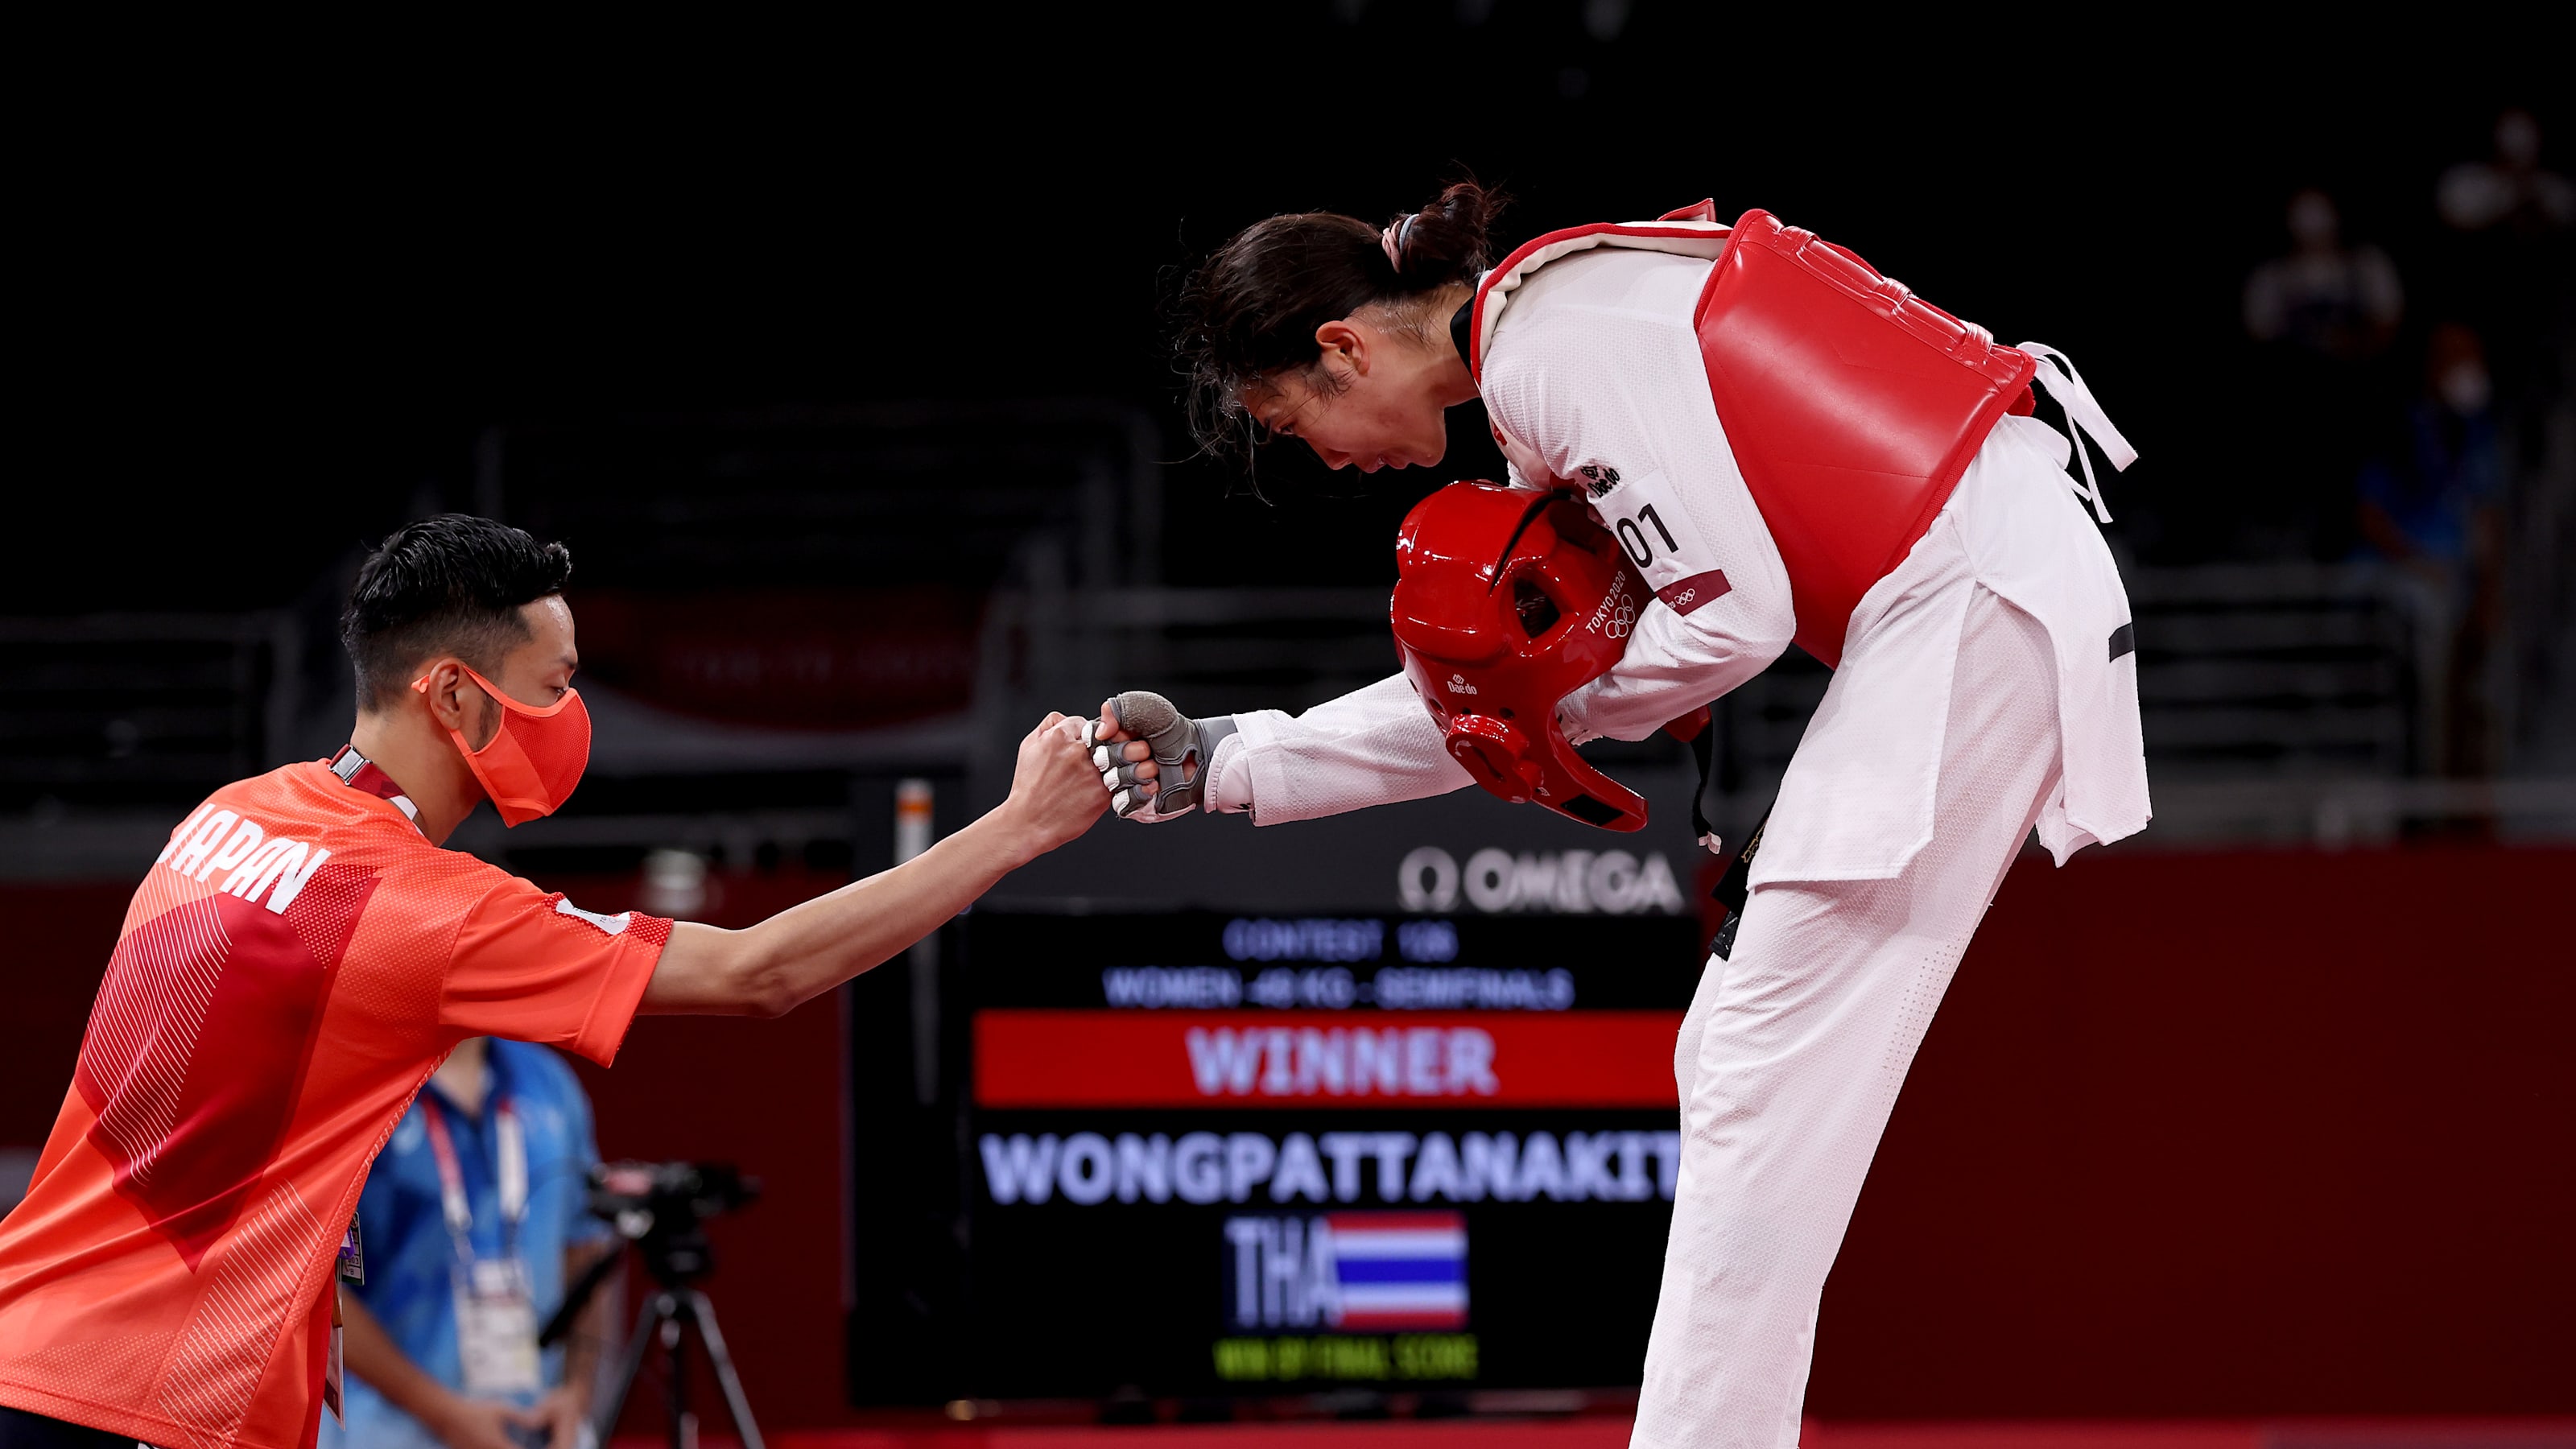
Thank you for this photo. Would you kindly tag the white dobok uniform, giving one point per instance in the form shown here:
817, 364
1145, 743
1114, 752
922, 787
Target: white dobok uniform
1985, 689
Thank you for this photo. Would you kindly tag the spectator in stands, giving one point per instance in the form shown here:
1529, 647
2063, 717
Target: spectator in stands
486, 1176
2428, 504
2514, 227
2324, 312
2511, 191
2335, 302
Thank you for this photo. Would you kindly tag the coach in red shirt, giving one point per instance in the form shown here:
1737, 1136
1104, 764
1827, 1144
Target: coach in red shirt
303, 954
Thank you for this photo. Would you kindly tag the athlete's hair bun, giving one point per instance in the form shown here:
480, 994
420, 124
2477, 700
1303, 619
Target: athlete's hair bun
1446, 241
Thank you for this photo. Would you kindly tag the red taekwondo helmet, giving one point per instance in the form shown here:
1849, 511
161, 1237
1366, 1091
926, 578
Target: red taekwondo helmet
1507, 601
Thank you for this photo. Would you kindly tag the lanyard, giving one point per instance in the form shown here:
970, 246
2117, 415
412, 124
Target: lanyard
358, 773
512, 1171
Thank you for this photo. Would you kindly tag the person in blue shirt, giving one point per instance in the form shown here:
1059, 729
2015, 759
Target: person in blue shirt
2430, 504
472, 1222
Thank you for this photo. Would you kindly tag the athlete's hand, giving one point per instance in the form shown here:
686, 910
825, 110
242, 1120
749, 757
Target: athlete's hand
1152, 758
1112, 741
1055, 791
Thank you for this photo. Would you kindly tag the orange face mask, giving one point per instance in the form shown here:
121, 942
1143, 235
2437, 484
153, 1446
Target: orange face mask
535, 759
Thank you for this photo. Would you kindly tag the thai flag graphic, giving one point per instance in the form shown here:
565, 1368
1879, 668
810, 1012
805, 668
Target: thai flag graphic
1401, 1270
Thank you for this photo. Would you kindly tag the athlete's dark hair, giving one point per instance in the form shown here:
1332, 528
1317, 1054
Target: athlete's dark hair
452, 584
1251, 310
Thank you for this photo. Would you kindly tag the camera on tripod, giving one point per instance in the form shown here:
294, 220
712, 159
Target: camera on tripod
662, 1208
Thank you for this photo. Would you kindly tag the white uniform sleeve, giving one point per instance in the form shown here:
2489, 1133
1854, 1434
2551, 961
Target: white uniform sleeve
1595, 374
1373, 746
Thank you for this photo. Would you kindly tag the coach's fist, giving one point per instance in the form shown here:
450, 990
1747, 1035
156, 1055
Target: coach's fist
1055, 791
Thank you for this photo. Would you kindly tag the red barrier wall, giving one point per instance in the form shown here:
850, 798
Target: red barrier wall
58, 943
2194, 1135
2209, 1135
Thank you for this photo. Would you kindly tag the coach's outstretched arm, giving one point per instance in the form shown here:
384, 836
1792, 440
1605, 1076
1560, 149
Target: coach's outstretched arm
802, 952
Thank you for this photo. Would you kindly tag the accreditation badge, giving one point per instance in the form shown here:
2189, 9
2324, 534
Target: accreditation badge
353, 1255
496, 1328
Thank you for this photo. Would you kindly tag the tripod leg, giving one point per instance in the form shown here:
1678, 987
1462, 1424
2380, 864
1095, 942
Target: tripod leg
676, 1414
705, 1314
657, 1309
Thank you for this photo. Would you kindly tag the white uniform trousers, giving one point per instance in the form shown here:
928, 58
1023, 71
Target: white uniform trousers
1792, 1053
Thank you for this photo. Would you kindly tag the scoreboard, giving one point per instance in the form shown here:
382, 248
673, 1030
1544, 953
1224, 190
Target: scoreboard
1207, 1154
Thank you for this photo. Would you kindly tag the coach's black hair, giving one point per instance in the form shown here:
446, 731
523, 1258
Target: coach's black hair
1251, 309
452, 584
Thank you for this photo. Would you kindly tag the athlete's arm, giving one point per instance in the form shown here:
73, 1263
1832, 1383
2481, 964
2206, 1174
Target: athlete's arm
1616, 401
1373, 746
1675, 663
802, 952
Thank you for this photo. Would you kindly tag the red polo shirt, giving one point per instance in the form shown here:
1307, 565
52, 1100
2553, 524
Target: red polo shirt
292, 969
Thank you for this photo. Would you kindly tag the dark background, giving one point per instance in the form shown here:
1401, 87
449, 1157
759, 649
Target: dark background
276, 295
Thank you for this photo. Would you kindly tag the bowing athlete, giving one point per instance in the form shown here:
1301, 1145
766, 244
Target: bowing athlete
1788, 447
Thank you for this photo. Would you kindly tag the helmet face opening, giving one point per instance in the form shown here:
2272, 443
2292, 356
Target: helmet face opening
1538, 612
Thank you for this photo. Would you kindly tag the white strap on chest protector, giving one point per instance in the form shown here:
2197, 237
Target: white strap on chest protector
2086, 417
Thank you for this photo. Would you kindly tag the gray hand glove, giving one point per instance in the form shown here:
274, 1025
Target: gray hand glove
1180, 748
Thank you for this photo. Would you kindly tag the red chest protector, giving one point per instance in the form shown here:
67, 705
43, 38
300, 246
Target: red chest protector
1852, 406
